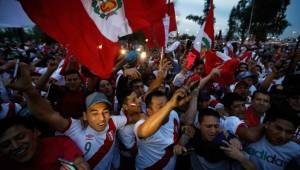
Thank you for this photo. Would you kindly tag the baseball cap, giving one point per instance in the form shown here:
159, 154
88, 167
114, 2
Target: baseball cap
96, 97
244, 75
131, 57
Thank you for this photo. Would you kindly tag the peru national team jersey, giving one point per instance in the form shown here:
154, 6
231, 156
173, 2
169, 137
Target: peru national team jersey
156, 151
97, 147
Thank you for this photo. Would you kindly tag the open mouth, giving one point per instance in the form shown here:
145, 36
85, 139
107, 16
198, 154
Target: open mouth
19, 152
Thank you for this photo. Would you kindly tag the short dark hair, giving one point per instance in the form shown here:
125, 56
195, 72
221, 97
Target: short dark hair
229, 98
207, 112
72, 71
262, 92
149, 97
283, 111
6, 123
135, 81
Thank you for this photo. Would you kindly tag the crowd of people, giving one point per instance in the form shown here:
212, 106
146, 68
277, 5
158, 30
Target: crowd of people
155, 112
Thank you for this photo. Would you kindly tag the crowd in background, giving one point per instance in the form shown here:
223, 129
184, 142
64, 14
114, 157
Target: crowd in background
157, 111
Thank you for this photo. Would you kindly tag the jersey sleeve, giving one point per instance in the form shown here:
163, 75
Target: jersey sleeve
231, 123
120, 121
74, 128
137, 125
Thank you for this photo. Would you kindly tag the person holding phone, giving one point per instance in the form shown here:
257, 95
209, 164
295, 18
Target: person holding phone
22, 148
212, 147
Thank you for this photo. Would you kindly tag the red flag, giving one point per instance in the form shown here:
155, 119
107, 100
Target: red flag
227, 65
157, 10
89, 28
245, 56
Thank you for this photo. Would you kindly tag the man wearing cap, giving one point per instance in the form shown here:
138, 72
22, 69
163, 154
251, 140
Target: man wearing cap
248, 77
95, 134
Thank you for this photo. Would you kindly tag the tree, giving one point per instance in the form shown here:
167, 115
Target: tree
200, 19
268, 18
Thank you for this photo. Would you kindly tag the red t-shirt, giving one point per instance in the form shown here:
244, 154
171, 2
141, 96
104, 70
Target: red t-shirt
51, 149
252, 119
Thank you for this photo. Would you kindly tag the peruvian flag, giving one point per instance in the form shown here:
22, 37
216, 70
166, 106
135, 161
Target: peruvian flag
227, 66
90, 29
162, 16
205, 35
245, 56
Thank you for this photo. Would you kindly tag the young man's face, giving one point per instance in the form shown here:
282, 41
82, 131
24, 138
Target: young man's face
157, 103
133, 104
209, 127
294, 102
97, 116
138, 88
237, 108
19, 143
73, 81
261, 102
279, 132
105, 87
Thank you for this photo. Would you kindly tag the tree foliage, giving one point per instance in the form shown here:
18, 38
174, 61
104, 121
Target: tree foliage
268, 18
200, 19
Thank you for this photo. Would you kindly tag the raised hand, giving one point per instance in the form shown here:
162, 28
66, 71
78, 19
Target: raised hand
23, 82
180, 97
215, 72
132, 72
232, 151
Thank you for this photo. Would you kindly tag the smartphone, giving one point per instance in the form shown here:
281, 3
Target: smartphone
16, 68
68, 165
189, 151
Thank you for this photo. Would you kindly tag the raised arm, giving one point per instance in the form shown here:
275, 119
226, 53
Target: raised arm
189, 116
153, 123
40, 108
164, 67
51, 67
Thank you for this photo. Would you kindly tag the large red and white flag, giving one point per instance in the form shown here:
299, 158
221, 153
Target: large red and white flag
162, 17
89, 28
205, 35
226, 64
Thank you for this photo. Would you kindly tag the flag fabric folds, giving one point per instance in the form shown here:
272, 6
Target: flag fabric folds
226, 65
205, 35
90, 28
158, 11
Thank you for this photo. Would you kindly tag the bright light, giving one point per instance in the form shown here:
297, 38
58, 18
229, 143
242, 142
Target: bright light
100, 46
143, 55
146, 40
139, 49
123, 51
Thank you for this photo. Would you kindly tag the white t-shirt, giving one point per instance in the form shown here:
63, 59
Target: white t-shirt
152, 149
275, 157
90, 141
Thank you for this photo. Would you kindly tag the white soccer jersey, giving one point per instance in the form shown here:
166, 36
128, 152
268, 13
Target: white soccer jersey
231, 123
97, 147
156, 150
